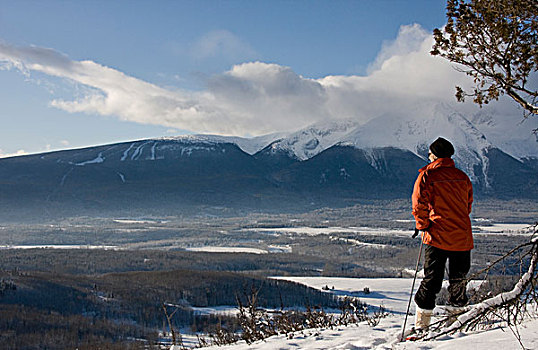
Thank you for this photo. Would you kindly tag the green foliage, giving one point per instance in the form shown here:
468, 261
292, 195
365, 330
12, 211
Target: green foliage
496, 44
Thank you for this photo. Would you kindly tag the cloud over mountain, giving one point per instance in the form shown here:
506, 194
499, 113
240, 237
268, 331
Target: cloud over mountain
252, 98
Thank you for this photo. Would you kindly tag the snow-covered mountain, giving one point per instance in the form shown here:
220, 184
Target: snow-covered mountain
330, 163
473, 137
416, 131
311, 141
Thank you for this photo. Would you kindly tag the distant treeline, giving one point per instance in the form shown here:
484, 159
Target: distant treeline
95, 261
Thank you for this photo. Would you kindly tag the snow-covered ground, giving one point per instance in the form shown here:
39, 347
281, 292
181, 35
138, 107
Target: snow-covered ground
503, 228
216, 310
494, 228
393, 294
60, 246
316, 231
133, 221
216, 249
385, 336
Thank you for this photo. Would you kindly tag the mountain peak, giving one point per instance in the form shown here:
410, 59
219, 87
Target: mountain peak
308, 142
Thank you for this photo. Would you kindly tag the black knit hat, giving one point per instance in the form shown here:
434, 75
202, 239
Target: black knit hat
442, 148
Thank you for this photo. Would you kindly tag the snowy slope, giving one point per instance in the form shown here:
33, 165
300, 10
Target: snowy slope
416, 131
249, 145
473, 136
309, 142
511, 134
386, 334
413, 131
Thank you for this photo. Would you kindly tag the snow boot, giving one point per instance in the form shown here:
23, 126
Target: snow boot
453, 312
422, 319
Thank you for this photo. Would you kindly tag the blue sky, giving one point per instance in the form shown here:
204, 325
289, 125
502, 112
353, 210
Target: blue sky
78, 73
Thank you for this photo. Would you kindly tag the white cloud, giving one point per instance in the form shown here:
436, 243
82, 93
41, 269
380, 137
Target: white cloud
20, 152
268, 97
410, 39
253, 98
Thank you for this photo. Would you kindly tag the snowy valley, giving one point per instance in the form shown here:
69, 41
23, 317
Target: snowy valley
200, 264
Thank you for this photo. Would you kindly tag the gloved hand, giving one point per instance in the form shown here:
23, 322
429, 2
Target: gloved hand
417, 230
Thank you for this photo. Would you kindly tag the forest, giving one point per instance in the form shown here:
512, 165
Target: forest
121, 307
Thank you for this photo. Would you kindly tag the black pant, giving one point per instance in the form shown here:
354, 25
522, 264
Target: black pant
459, 264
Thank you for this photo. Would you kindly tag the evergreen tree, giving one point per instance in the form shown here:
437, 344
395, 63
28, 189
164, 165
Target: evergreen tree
495, 43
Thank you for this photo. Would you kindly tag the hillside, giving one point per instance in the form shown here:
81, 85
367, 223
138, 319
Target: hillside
394, 294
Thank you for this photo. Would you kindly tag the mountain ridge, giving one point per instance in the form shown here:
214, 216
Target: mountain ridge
329, 164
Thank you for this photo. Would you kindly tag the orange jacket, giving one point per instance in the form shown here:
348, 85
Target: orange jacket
442, 200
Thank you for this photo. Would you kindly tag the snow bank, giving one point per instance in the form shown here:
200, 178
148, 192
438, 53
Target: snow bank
384, 336
60, 246
215, 249
97, 160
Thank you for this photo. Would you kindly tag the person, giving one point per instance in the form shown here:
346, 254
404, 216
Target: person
442, 201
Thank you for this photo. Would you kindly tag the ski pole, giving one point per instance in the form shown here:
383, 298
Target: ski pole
412, 287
